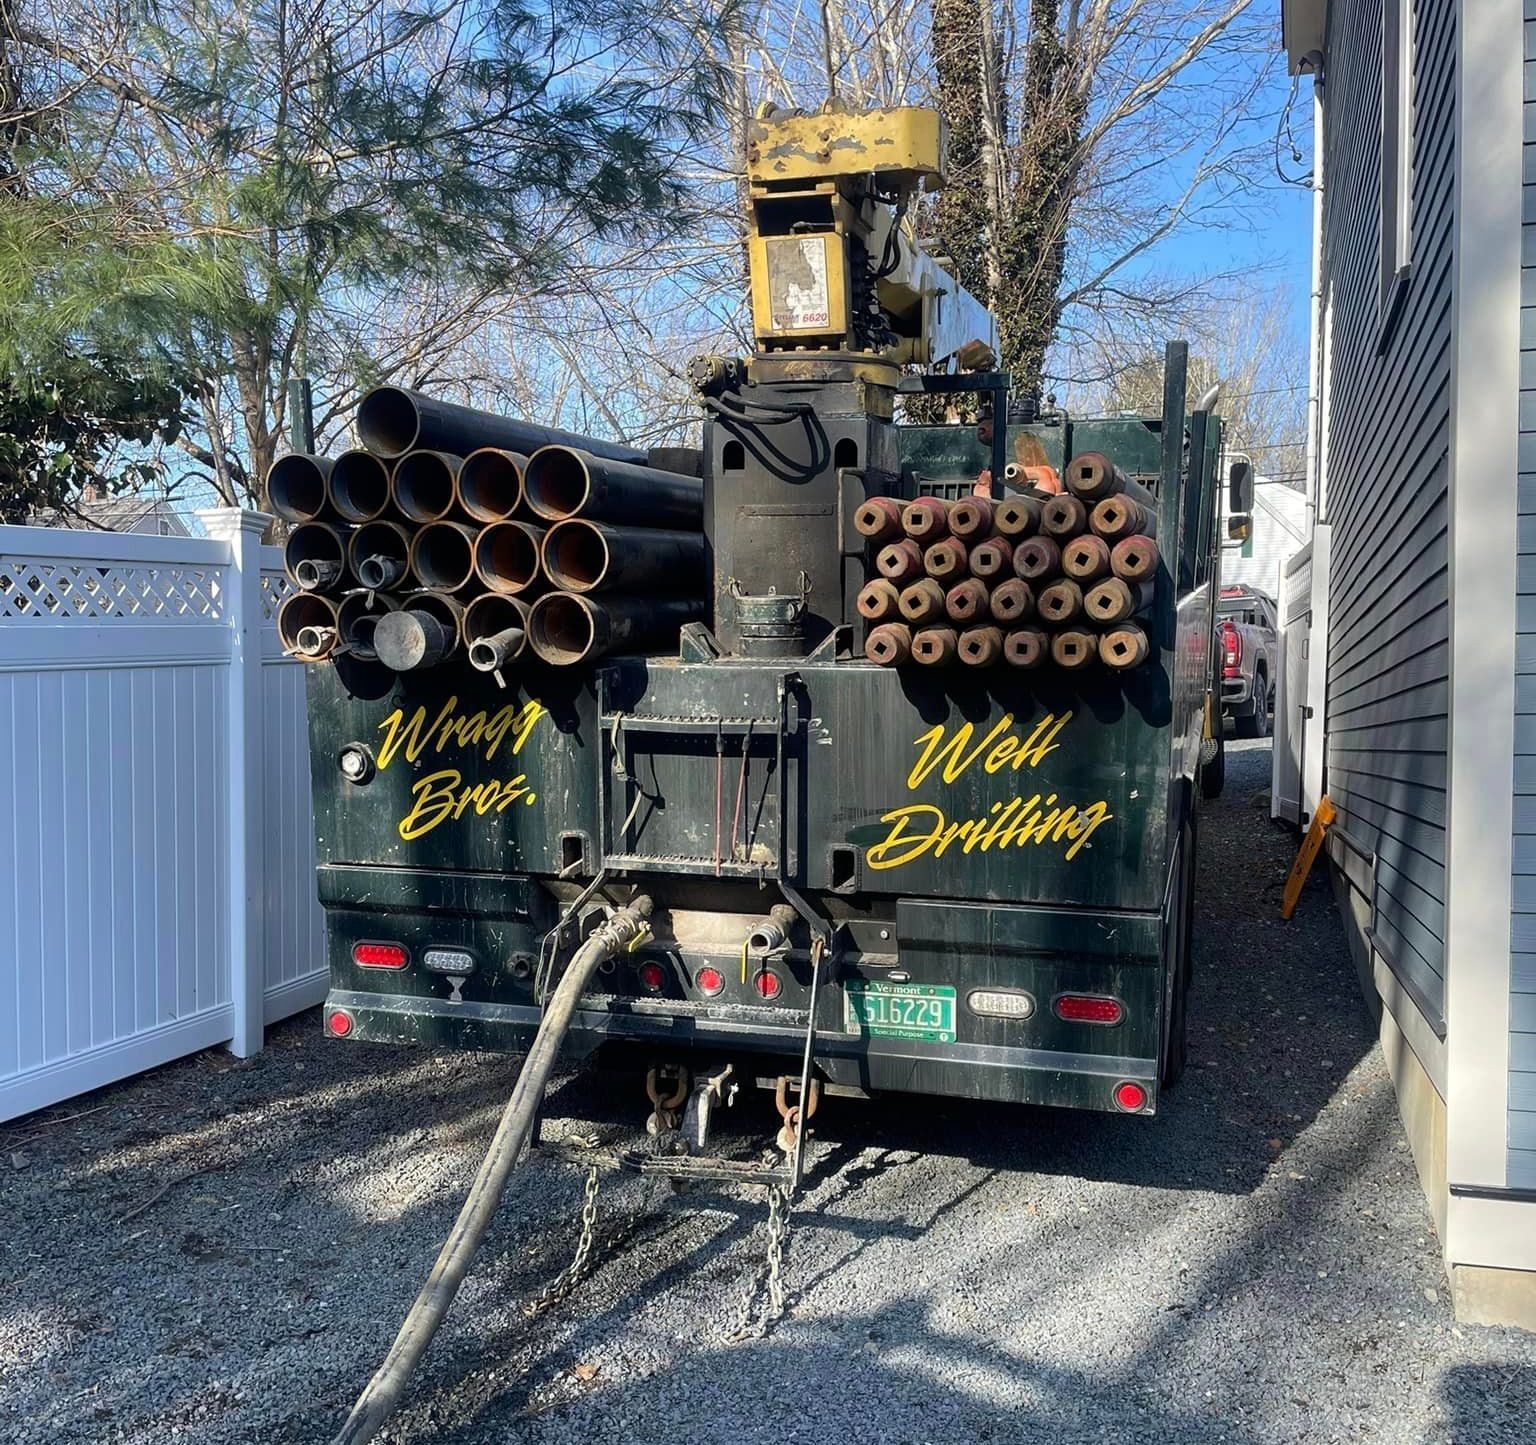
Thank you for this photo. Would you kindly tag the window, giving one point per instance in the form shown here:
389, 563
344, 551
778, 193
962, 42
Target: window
1396, 160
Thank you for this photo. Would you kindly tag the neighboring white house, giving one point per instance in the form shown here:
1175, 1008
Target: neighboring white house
1281, 528
144, 515
1420, 709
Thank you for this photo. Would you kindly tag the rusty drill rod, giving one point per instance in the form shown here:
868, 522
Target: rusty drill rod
392, 421
427, 629
926, 520
1114, 599
900, 562
947, 560
424, 485
922, 601
359, 486
1134, 558
1123, 647
1060, 603
583, 556
879, 600
992, 559
1017, 516
565, 628
491, 484
1073, 650
315, 556
970, 519
1086, 558
380, 553
561, 482
1117, 517
306, 625
966, 601
1026, 647
296, 487
935, 646
981, 646
1092, 476
1036, 558
507, 558
357, 617
878, 519
496, 629
1063, 517
443, 556
1013, 601
889, 644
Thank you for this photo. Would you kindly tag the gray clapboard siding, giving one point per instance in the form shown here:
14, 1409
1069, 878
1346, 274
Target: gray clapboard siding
1388, 450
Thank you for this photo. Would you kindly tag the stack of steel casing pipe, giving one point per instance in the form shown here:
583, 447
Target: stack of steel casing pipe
427, 543
1032, 579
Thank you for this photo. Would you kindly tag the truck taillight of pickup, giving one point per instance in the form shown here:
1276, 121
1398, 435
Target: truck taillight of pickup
1231, 651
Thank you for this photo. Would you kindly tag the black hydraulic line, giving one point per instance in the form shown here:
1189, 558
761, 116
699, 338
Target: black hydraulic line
782, 465
379, 1400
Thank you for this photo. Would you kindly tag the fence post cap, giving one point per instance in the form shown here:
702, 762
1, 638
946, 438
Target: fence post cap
225, 523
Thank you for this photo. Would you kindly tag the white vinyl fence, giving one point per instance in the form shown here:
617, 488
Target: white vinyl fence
157, 883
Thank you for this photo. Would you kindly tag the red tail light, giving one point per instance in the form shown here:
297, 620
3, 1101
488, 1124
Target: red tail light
652, 976
379, 955
1231, 650
767, 984
339, 1022
1130, 1096
709, 981
1088, 1008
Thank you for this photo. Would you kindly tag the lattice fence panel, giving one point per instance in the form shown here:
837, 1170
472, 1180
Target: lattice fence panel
61, 591
275, 588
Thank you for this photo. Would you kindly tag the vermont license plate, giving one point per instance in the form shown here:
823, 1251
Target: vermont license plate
922, 1011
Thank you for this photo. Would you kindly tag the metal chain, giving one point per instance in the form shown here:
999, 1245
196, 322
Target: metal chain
750, 1323
572, 1275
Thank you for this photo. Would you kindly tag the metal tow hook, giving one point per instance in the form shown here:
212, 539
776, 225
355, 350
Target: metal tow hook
666, 1110
790, 1113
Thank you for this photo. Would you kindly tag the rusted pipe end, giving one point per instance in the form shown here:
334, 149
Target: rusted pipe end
1062, 517
992, 558
296, 486
1016, 516
424, 485
1134, 558
1124, 647
443, 556
970, 519
557, 483
878, 600
1013, 601
1036, 558
968, 600
900, 561
947, 561
922, 601
1061, 602
1085, 557
507, 557
934, 646
1074, 650
1027, 647
981, 646
926, 519
359, 486
889, 645
878, 519
491, 484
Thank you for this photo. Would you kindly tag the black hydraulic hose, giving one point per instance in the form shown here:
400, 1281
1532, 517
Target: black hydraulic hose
379, 1400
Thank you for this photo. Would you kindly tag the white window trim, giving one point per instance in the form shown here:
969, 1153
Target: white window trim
1396, 163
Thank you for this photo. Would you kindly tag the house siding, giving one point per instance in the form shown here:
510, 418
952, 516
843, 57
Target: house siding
1522, 939
1387, 439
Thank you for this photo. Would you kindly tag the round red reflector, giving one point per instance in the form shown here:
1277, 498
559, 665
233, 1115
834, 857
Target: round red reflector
339, 1023
709, 981
1088, 1008
379, 955
652, 976
768, 984
1131, 1097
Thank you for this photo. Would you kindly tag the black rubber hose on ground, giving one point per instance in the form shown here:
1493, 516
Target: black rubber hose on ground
379, 1400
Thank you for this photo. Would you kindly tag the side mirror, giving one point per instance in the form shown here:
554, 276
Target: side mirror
1240, 488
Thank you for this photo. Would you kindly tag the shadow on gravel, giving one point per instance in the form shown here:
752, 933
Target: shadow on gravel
1488, 1402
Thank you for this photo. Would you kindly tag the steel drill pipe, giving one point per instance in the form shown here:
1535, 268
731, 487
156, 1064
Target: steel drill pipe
970, 519
1124, 647
1026, 647
491, 484
900, 562
1114, 599
1017, 516
583, 556
889, 645
1134, 558
495, 631
1117, 517
1045, 479
947, 561
935, 646
1013, 601
926, 520
1085, 559
1092, 476
1073, 650
967, 601
443, 556
561, 482
306, 626
1036, 558
315, 556
878, 520
392, 421
922, 601
380, 553
357, 617
1063, 517
359, 486
992, 559
427, 629
879, 600
507, 558
981, 646
1060, 603
565, 628
296, 487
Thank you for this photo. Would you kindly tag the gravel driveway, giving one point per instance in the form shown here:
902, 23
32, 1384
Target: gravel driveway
221, 1251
